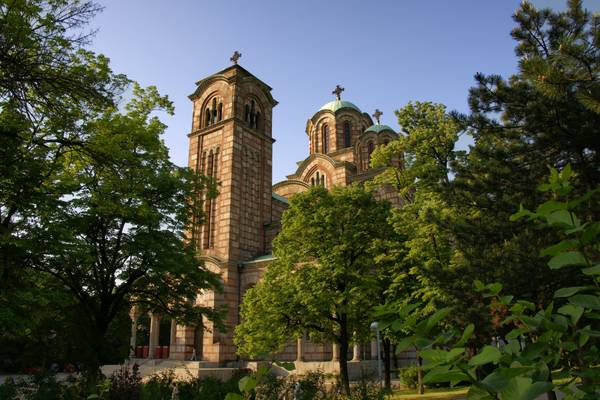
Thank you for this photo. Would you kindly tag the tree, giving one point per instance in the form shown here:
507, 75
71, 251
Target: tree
49, 85
561, 339
323, 280
118, 238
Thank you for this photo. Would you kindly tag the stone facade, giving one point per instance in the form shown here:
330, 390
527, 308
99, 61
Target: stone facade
231, 141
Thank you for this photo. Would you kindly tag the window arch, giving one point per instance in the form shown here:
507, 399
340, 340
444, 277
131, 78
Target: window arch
347, 137
253, 115
325, 140
213, 112
318, 179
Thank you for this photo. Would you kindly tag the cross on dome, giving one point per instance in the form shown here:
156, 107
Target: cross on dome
377, 114
235, 57
338, 91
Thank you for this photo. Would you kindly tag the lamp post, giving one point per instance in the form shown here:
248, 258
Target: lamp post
375, 328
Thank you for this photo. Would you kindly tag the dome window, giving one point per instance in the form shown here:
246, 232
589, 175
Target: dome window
347, 130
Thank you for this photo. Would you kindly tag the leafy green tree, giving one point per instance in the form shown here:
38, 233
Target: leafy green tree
49, 85
558, 341
118, 239
324, 279
418, 164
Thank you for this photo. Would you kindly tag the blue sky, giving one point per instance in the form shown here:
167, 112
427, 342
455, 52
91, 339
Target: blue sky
385, 54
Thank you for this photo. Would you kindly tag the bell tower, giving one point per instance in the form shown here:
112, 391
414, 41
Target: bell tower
230, 140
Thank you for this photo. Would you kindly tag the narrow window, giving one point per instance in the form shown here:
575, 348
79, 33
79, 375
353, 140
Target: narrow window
371, 147
323, 180
207, 117
325, 138
347, 134
257, 120
214, 111
312, 181
318, 180
208, 206
247, 115
252, 114
213, 205
220, 112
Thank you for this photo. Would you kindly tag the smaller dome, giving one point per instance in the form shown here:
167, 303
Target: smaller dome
378, 128
338, 105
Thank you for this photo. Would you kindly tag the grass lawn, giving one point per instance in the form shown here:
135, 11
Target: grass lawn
430, 394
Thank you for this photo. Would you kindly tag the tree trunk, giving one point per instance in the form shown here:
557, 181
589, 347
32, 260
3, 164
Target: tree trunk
387, 364
420, 386
344, 343
550, 395
98, 346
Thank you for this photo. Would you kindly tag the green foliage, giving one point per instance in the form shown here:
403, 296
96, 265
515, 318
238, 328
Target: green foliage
562, 336
159, 387
324, 280
409, 376
125, 384
263, 385
92, 211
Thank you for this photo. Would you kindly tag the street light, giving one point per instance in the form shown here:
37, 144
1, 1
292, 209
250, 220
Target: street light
375, 328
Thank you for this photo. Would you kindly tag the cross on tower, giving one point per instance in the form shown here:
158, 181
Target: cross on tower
235, 57
377, 114
338, 91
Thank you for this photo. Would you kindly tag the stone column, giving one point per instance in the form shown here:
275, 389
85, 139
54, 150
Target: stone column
173, 338
133, 314
299, 349
154, 332
336, 352
356, 352
373, 349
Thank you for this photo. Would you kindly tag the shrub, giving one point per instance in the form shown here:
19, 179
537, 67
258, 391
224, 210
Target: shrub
159, 387
207, 388
408, 376
125, 384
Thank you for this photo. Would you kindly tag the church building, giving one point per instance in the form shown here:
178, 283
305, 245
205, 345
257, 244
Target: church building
231, 140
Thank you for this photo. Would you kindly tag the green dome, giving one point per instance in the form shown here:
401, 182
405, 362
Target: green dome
378, 128
338, 105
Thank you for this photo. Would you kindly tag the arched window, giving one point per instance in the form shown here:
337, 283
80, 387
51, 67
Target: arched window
312, 181
370, 148
325, 138
323, 180
347, 130
247, 115
318, 180
220, 112
214, 111
252, 114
